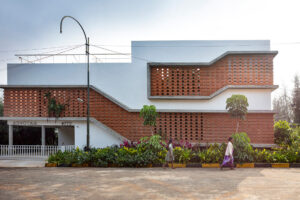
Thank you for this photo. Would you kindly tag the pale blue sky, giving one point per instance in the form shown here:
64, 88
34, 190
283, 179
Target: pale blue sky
28, 24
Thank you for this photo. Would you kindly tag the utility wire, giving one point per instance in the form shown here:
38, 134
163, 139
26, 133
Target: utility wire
144, 59
35, 49
2, 69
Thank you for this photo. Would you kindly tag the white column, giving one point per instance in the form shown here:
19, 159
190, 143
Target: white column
43, 135
10, 135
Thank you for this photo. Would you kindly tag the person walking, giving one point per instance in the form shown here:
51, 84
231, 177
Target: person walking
228, 158
170, 156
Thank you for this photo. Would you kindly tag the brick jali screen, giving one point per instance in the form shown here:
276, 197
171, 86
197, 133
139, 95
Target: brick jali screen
205, 80
194, 127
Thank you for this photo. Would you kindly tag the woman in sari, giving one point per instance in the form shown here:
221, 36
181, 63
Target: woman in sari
228, 158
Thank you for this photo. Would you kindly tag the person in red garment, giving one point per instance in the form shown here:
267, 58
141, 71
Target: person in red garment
228, 158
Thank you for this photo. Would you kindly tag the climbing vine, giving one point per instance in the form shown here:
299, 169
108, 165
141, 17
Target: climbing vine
54, 108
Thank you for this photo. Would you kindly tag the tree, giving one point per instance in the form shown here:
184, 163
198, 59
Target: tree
296, 100
237, 107
149, 114
282, 105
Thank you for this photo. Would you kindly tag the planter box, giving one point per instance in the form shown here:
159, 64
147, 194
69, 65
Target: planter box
210, 165
197, 165
177, 165
295, 165
263, 165
245, 165
50, 164
280, 165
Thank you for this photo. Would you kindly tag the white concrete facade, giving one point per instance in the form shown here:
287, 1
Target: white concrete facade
127, 82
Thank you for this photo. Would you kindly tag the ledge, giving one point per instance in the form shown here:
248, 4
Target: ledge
214, 60
158, 110
272, 87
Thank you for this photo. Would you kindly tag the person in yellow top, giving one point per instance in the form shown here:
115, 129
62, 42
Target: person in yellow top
228, 158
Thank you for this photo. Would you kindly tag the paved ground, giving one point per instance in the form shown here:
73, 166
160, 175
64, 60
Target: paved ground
21, 163
153, 183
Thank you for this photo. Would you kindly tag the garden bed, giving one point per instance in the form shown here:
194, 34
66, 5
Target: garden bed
188, 165
151, 152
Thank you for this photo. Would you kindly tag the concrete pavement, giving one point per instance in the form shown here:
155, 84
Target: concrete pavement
21, 163
149, 183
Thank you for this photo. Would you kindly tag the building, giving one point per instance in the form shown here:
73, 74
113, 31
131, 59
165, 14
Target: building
187, 81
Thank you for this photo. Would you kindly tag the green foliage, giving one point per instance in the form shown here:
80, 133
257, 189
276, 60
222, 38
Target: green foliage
237, 106
243, 151
151, 150
282, 133
182, 155
54, 108
149, 114
277, 157
213, 154
261, 156
1, 107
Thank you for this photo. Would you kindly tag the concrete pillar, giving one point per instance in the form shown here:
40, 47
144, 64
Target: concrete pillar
10, 135
43, 136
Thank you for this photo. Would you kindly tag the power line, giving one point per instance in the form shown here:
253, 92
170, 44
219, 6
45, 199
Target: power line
119, 52
35, 49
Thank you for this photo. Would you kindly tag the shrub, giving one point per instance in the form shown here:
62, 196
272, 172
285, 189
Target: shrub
182, 155
261, 156
213, 154
243, 151
277, 157
282, 133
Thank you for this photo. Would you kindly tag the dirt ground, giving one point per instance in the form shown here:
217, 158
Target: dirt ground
149, 183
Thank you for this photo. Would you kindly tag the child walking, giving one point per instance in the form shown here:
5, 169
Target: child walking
169, 157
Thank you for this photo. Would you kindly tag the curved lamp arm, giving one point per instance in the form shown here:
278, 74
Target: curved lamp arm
61, 23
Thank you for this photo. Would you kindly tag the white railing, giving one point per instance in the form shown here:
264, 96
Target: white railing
30, 151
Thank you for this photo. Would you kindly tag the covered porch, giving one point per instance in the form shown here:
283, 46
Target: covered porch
65, 138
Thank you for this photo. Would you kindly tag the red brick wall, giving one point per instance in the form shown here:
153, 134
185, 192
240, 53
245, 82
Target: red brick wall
194, 127
203, 81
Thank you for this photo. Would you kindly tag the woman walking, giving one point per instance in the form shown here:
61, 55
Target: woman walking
228, 158
169, 157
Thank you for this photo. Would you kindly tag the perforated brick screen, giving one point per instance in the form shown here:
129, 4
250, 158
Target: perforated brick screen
193, 127
205, 80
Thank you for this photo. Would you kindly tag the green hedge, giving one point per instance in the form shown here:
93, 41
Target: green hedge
151, 150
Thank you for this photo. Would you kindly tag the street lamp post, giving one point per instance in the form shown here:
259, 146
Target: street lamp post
87, 43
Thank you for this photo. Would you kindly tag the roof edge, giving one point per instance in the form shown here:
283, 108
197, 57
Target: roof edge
215, 59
